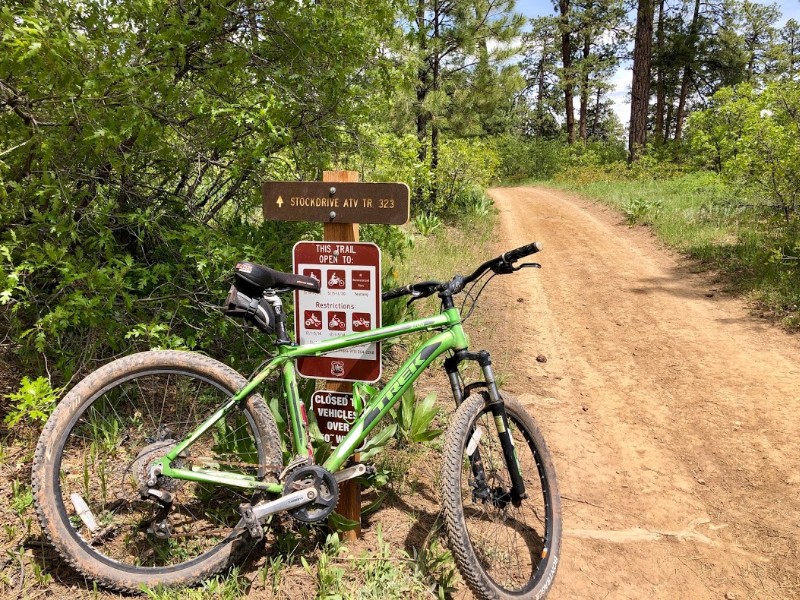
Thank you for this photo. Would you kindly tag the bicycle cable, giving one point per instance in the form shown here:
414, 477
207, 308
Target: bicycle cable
477, 297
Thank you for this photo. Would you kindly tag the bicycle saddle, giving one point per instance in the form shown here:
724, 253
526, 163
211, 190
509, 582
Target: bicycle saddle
261, 278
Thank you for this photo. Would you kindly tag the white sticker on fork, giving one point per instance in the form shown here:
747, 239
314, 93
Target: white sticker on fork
473, 441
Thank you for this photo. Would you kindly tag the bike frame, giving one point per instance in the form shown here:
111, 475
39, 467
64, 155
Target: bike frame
451, 337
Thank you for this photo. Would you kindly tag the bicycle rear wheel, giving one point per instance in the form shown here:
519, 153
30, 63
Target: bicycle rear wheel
502, 550
93, 458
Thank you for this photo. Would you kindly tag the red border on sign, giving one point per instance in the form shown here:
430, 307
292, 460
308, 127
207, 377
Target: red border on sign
328, 367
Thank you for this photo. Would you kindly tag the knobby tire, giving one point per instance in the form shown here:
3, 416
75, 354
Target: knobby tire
502, 551
98, 444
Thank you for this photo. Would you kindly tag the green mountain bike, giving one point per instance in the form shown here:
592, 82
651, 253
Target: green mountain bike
164, 467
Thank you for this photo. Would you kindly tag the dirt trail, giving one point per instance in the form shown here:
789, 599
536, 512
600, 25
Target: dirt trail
671, 413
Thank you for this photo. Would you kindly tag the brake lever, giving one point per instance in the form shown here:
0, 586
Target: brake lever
504, 268
415, 295
528, 265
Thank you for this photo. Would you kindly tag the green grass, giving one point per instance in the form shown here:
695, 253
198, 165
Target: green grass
703, 217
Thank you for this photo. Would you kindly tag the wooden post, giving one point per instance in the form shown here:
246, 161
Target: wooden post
349, 492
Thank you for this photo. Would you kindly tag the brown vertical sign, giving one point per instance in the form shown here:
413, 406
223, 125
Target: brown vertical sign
349, 492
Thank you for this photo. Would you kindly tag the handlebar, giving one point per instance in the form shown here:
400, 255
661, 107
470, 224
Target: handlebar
501, 265
522, 251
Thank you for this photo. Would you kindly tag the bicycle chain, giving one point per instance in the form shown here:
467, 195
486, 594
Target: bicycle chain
270, 468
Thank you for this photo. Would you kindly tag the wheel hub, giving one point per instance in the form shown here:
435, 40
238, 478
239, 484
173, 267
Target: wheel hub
146, 458
327, 489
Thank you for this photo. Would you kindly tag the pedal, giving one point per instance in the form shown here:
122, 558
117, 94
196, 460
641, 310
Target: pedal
251, 521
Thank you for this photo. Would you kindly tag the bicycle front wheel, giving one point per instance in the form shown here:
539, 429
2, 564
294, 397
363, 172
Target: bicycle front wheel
503, 551
93, 459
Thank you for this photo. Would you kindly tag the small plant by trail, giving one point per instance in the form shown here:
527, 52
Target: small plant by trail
32, 403
414, 419
427, 223
640, 211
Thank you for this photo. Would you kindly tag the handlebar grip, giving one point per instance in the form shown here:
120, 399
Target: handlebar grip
517, 253
395, 293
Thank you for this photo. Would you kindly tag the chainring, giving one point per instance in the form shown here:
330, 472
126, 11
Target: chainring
313, 476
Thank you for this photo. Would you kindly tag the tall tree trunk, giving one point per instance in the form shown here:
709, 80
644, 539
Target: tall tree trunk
640, 87
434, 123
668, 120
679, 116
566, 61
422, 93
687, 72
540, 73
661, 91
596, 120
584, 113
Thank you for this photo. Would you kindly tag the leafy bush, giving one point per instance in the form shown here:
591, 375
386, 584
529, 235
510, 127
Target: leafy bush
394, 241
640, 210
750, 136
522, 159
134, 138
465, 168
33, 402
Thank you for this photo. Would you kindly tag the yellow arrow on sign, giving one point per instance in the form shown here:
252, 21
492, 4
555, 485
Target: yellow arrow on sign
279, 202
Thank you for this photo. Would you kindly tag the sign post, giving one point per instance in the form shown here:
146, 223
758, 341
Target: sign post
341, 202
350, 492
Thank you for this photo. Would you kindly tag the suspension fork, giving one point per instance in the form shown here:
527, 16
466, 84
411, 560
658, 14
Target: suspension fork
498, 409
480, 489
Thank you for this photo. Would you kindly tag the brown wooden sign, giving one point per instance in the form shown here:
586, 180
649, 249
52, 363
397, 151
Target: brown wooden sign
336, 202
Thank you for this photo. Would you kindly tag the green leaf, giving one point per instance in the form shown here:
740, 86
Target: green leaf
374, 505
340, 523
424, 413
378, 443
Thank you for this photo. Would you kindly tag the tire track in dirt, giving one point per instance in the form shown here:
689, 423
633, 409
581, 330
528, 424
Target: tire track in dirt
671, 413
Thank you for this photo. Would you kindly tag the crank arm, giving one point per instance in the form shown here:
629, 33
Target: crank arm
287, 502
253, 515
350, 473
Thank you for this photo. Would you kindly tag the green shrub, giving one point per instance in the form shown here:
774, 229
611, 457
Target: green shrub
641, 210
129, 175
32, 403
522, 158
414, 419
427, 224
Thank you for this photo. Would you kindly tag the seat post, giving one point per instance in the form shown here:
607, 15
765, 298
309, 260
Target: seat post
282, 336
